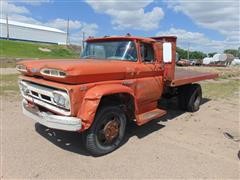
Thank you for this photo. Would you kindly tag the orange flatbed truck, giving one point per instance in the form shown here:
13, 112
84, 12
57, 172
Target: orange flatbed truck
116, 80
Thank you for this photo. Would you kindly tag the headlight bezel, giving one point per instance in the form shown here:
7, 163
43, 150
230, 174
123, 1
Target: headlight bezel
51, 72
62, 96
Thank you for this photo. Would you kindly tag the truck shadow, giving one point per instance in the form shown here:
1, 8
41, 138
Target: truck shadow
172, 113
72, 141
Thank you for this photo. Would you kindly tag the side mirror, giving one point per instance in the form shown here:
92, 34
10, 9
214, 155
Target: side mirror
167, 52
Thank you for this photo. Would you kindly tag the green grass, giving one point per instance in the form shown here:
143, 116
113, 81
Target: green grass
19, 49
9, 85
221, 89
7, 63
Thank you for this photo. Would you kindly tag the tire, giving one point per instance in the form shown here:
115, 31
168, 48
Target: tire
107, 131
190, 97
182, 91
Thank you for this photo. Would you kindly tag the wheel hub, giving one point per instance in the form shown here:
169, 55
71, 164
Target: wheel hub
111, 130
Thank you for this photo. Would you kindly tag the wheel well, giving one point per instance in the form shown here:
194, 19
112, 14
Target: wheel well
124, 100
170, 92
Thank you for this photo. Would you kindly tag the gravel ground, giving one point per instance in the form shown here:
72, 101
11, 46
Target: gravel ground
179, 145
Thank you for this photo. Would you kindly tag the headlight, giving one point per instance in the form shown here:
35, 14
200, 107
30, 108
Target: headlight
53, 72
61, 99
21, 68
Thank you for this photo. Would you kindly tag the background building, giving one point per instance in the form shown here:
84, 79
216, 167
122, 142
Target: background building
30, 32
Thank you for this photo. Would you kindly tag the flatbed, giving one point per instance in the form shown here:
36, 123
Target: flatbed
183, 77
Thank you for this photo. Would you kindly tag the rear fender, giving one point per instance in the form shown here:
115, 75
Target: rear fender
93, 98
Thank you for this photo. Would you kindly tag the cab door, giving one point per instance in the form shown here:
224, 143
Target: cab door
149, 77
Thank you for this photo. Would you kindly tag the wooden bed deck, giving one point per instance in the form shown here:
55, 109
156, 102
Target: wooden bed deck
183, 77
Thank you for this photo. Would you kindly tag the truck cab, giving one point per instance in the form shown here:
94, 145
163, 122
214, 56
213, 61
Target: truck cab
116, 80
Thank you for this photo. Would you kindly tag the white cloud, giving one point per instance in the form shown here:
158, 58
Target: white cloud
62, 24
76, 28
117, 5
222, 16
129, 14
137, 19
198, 41
87, 29
12, 8
23, 18
30, 2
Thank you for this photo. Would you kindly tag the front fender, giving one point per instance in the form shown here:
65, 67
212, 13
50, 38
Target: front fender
93, 97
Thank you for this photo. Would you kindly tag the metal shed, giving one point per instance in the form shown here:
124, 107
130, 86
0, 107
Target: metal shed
31, 32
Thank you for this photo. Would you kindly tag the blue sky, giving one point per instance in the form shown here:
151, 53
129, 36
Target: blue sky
206, 26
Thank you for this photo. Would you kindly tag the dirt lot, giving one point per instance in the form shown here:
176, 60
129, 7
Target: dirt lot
179, 145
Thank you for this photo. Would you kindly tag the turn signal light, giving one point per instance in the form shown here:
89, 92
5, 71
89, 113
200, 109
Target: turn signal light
21, 68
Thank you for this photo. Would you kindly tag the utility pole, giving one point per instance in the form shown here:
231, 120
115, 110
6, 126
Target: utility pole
83, 40
68, 39
188, 52
7, 24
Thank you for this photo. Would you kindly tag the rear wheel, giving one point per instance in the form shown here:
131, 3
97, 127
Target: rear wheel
107, 131
190, 97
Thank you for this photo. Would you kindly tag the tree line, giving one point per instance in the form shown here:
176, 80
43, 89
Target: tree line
183, 54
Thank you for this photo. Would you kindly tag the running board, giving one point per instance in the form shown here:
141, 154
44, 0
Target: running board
150, 115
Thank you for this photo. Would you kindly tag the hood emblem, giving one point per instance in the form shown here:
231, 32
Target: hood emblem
34, 70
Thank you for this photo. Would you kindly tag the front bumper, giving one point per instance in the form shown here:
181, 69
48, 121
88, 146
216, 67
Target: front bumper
50, 120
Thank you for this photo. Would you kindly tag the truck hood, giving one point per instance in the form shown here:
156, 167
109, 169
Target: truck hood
81, 70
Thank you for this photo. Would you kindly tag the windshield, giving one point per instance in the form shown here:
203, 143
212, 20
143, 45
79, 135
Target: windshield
119, 50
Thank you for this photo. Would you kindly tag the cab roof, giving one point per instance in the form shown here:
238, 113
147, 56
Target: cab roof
130, 38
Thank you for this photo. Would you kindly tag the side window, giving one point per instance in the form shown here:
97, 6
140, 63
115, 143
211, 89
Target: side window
147, 52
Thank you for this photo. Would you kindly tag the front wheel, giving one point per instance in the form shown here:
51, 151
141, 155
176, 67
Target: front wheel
107, 131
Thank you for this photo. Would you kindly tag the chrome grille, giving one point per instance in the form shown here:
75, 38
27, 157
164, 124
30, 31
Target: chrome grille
42, 96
